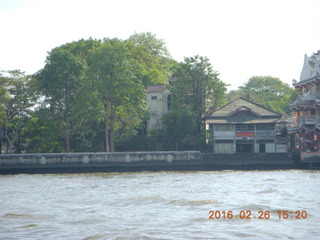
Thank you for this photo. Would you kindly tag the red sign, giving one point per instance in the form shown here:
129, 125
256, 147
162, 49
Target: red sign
244, 134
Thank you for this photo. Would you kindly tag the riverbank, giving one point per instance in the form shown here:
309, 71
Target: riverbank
143, 161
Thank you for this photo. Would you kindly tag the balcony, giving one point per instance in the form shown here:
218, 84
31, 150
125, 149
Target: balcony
306, 99
309, 119
296, 123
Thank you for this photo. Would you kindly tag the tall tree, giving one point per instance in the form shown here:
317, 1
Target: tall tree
116, 90
59, 82
16, 101
197, 85
4, 99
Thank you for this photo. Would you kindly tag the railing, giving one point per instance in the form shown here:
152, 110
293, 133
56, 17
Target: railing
309, 119
310, 156
296, 123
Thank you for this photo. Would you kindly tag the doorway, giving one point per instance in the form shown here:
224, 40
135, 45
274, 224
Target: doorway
262, 147
244, 148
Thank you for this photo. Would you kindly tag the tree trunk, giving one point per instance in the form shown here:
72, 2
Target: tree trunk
113, 113
107, 134
68, 143
7, 150
10, 143
68, 148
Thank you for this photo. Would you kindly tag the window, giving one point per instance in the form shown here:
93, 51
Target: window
265, 126
244, 127
169, 102
223, 127
154, 98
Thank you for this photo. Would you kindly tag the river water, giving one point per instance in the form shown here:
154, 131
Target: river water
161, 205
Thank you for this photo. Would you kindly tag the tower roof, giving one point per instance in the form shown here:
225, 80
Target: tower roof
156, 88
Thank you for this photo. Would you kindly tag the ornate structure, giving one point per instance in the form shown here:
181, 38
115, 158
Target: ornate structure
304, 129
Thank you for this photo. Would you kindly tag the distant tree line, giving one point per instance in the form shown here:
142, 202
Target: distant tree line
91, 96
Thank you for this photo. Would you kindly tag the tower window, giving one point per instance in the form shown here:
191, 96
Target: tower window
153, 97
169, 102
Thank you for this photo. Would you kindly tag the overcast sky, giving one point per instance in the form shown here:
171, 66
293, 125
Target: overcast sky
242, 38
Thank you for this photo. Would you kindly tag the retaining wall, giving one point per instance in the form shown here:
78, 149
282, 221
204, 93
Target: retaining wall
139, 161
248, 161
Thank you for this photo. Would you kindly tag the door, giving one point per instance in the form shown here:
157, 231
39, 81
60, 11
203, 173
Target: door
244, 148
262, 147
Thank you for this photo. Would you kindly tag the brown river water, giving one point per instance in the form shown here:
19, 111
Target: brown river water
161, 205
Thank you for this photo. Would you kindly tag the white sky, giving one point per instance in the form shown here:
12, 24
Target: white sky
242, 38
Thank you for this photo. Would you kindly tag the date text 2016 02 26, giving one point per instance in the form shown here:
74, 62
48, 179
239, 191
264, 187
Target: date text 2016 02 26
257, 215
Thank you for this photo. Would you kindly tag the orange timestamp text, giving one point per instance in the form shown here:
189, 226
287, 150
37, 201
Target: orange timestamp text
257, 215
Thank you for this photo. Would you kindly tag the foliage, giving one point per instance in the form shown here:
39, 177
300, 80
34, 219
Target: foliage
268, 91
179, 127
82, 49
92, 97
154, 58
197, 86
118, 95
59, 82
16, 101
42, 133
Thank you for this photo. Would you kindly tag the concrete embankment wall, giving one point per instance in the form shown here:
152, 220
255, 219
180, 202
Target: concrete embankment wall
248, 161
139, 161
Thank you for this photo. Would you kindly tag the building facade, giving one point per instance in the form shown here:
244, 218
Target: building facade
304, 127
159, 102
243, 126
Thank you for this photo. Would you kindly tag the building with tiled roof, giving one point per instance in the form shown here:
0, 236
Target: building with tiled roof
244, 126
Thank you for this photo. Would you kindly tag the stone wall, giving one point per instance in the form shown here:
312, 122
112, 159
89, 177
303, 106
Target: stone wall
140, 161
92, 162
248, 161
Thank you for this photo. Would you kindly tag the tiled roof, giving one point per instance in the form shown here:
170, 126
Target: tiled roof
243, 110
156, 88
310, 70
252, 121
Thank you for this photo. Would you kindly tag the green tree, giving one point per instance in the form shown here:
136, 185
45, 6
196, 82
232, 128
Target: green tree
197, 86
233, 94
16, 101
4, 99
82, 49
154, 58
179, 126
118, 95
268, 91
42, 133
59, 81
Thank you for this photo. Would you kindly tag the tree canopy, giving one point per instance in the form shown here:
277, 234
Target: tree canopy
59, 82
197, 88
268, 91
97, 88
16, 101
